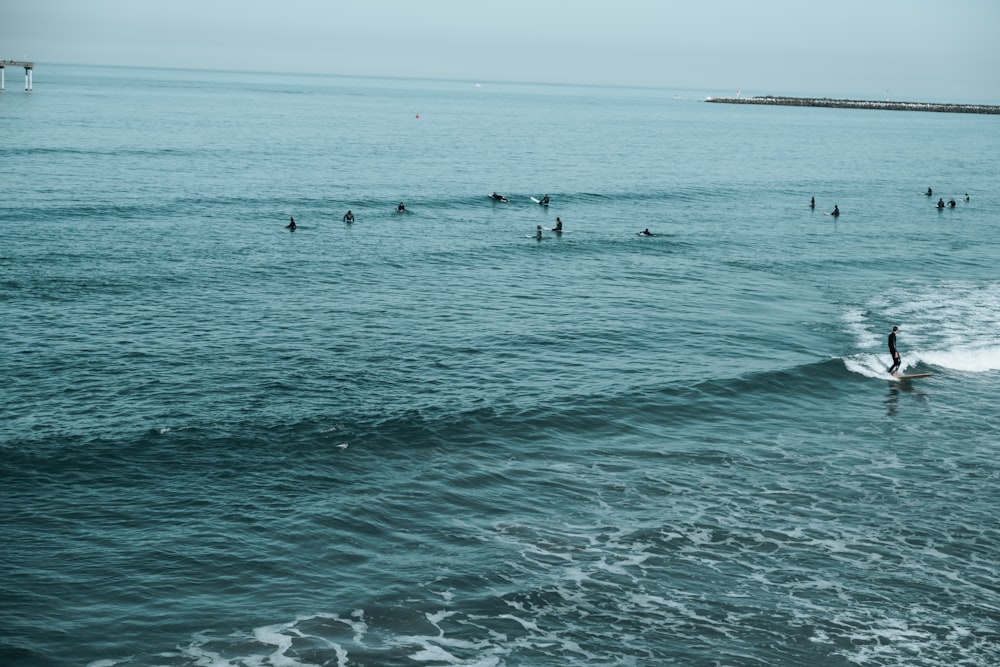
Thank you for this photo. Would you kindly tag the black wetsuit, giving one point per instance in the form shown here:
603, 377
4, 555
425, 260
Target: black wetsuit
896, 360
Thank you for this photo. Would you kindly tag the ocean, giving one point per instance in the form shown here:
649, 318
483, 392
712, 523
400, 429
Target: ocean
431, 438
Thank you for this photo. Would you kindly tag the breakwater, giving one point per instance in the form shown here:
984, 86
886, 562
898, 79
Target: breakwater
858, 104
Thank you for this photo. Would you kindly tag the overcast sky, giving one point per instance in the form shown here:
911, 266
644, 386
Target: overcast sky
904, 49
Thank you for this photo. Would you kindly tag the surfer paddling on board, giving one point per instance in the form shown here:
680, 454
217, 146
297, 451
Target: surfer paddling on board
499, 198
896, 359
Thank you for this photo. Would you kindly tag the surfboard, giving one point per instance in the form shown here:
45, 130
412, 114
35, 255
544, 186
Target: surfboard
912, 376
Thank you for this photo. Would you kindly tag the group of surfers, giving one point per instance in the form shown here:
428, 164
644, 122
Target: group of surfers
940, 204
401, 208
835, 212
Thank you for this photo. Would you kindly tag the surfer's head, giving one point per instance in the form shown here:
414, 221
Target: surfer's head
895, 329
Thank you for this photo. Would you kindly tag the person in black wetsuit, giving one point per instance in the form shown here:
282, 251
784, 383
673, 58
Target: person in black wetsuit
951, 203
896, 360
545, 200
558, 227
348, 217
940, 203
929, 192
400, 208
812, 202
291, 224
836, 211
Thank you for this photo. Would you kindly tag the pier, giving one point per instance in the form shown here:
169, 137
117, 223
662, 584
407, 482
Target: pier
858, 104
28, 67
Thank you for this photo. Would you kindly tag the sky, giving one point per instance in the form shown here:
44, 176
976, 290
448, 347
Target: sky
873, 49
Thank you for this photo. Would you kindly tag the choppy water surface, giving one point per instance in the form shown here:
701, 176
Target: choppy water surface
432, 439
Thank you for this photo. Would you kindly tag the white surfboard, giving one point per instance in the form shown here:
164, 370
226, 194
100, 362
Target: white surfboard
912, 376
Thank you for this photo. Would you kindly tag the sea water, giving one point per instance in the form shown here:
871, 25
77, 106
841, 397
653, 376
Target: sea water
431, 438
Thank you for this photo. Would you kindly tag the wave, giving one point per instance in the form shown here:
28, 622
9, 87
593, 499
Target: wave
942, 325
47, 151
507, 422
966, 360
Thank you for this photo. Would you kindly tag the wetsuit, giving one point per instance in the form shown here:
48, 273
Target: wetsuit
896, 360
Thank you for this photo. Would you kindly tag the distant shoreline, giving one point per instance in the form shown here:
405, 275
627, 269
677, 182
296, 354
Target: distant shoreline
858, 104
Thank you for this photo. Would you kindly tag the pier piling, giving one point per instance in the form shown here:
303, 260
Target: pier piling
28, 69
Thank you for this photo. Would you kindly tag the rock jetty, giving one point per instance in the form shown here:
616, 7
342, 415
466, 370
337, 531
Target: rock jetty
858, 104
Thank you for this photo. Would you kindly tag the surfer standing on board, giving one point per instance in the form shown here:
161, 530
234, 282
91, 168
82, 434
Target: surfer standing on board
896, 360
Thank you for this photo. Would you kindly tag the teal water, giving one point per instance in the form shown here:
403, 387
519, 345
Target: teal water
431, 438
